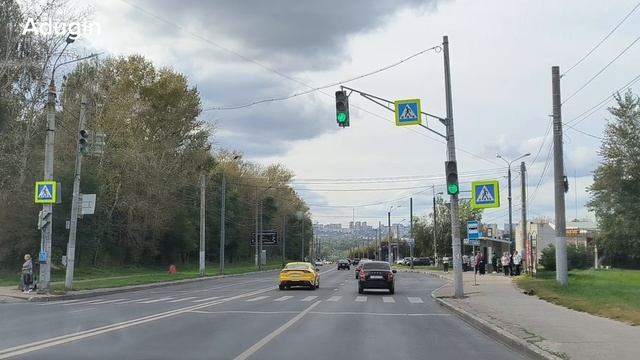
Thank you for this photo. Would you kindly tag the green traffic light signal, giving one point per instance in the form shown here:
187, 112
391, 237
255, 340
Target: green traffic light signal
342, 108
342, 117
452, 189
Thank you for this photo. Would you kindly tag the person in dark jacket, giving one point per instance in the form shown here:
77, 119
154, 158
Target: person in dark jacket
494, 263
27, 274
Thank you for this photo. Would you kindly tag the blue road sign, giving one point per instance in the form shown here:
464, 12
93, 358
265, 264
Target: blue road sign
45, 192
408, 112
485, 194
472, 230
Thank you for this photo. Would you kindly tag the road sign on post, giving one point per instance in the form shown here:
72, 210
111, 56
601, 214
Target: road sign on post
472, 233
269, 238
485, 194
46, 192
408, 112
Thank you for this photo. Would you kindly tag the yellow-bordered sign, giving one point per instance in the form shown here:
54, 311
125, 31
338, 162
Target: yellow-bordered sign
46, 192
485, 194
408, 112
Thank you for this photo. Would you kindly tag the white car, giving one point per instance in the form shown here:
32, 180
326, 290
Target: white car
319, 263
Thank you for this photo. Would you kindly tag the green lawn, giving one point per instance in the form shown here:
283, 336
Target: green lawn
108, 277
610, 293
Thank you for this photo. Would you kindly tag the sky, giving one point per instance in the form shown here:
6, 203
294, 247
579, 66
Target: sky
238, 52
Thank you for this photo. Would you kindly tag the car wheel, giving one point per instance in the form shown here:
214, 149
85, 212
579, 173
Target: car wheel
360, 289
281, 287
391, 290
318, 284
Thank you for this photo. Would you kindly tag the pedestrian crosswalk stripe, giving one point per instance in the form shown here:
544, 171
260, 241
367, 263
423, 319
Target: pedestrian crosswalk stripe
108, 301
155, 300
134, 300
258, 298
415, 300
283, 298
388, 299
205, 299
309, 298
361, 299
83, 302
183, 299
334, 298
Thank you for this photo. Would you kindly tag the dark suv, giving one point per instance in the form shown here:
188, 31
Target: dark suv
343, 264
376, 275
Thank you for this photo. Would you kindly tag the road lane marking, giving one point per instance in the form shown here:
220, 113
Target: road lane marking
61, 302
134, 300
155, 300
83, 302
108, 301
183, 299
309, 298
375, 314
80, 310
283, 298
243, 312
361, 299
388, 299
257, 346
334, 298
63, 339
206, 299
257, 298
415, 300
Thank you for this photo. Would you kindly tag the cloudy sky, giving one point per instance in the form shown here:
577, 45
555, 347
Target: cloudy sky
238, 52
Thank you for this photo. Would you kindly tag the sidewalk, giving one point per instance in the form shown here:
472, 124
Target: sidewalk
550, 331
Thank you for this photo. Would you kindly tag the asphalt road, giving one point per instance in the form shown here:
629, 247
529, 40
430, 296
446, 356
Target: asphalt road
248, 318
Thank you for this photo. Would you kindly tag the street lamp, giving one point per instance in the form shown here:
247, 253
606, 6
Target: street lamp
389, 251
511, 240
300, 215
435, 242
258, 243
223, 192
399, 237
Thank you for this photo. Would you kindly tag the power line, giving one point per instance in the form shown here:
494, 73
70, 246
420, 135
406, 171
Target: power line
256, 102
603, 39
584, 132
544, 170
601, 70
544, 139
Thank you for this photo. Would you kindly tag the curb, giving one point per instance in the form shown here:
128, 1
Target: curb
504, 336
122, 289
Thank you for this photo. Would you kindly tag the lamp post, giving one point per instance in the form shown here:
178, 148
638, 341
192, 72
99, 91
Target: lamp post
390, 251
511, 240
300, 215
398, 237
435, 238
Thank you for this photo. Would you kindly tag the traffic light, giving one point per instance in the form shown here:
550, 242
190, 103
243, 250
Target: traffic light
565, 183
83, 139
451, 169
342, 108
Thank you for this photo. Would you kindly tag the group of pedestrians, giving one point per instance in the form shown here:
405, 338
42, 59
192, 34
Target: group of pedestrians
510, 264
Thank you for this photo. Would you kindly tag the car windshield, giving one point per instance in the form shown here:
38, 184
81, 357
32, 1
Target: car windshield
375, 266
297, 267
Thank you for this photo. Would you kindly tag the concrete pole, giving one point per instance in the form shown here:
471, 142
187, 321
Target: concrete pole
47, 209
379, 234
257, 231
411, 230
71, 245
511, 237
523, 221
202, 223
302, 240
223, 194
451, 156
435, 238
389, 252
260, 239
558, 174
284, 239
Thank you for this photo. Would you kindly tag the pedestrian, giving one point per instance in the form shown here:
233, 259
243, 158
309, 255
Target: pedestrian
445, 263
27, 274
482, 264
494, 263
476, 262
511, 266
505, 263
517, 261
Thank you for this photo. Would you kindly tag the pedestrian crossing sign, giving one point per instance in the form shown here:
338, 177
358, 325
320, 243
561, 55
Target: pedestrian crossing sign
485, 194
408, 112
45, 192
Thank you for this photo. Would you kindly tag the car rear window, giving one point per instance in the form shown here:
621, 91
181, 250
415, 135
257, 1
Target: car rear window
297, 267
375, 266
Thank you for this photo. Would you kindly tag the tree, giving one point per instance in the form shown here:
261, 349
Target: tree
615, 193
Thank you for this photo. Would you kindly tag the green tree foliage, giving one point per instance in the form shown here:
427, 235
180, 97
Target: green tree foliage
615, 193
578, 257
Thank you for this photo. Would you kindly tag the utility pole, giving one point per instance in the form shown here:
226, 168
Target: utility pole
435, 238
256, 237
284, 239
451, 156
223, 193
389, 251
71, 245
302, 240
512, 245
202, 224
260, 237
558, 174
47, 209
523, 221
411, 230
379, 233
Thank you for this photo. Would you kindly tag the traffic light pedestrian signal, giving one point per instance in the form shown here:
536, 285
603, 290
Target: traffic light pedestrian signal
451, 170
342, 108
83, 139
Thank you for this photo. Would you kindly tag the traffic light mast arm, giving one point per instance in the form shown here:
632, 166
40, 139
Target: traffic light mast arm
379, 101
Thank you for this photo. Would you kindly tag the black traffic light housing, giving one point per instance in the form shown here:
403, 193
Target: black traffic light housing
451, 171
83, 139
342, 108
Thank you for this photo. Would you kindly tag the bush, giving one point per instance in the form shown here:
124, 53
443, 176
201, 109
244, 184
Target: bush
578, 257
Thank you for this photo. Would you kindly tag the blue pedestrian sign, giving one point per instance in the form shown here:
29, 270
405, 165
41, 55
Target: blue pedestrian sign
45, 192
485, 194
408, 112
